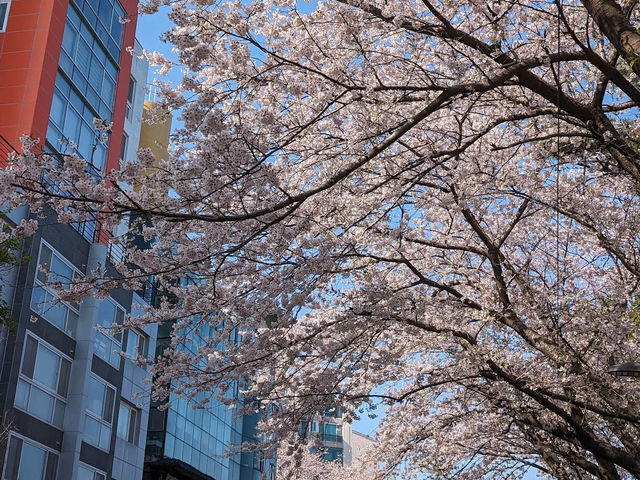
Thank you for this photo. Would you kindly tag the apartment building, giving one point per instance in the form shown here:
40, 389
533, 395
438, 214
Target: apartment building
71, 403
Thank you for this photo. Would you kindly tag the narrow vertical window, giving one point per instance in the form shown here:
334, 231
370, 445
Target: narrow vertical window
4, 15
131, 97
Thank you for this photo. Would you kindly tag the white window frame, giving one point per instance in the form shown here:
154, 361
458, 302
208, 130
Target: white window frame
134, 352
39, 282
33, 383
33, 443
97, 474
103, 423
131, 435
5, 20
114, 341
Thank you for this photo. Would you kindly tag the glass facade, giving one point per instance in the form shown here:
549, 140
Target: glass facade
200, 437
44, 379
86, 79
52, 267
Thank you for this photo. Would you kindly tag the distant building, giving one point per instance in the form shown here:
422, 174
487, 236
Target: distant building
340, 443
190, 444
334, 433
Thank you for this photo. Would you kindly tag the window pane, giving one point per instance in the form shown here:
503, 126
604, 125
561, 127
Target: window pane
83, 56
55, 312
71, 125
69, 39
105, 437
32, 462
46, 371
72, 321
108, 90
52, 465
84, 473
45, 262
57, 109
91, 430
13, 458
95, 396
40, 404
22, 394
132, 343
63, 380
61, 272
29, 359
123, 421
107, 413
58, 414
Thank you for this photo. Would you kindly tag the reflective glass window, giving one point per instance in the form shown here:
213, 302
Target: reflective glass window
43, 382
99, 413
53, 268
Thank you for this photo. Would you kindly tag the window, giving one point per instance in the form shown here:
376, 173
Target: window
52, 268
99, 413
128, 417
107, 345
333, 455
130, 97
4, 15
43, 382
332, 432
86, 472
71, 122
27, 460
123, 149
137, 344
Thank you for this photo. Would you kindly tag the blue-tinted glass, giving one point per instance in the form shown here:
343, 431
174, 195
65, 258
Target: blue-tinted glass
58, 106
102, 346
80, 82
60, 271
65, 63
85, 33
104, 12
112, 71
105, 437
71, 124
47, 365
22, 394
108, 90
40, 404
58, 414
92, 96
32, 462
96, 73
114, 50
89, 14
101, 33
83, 57
85, 142
92, 430
117, 28
62, 85
69, 39
73, 17
76, 101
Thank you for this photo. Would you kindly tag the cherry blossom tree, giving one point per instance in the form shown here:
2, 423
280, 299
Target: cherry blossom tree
432, 205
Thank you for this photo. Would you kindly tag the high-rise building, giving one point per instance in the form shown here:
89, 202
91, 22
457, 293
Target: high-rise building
70, 400
333, 432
